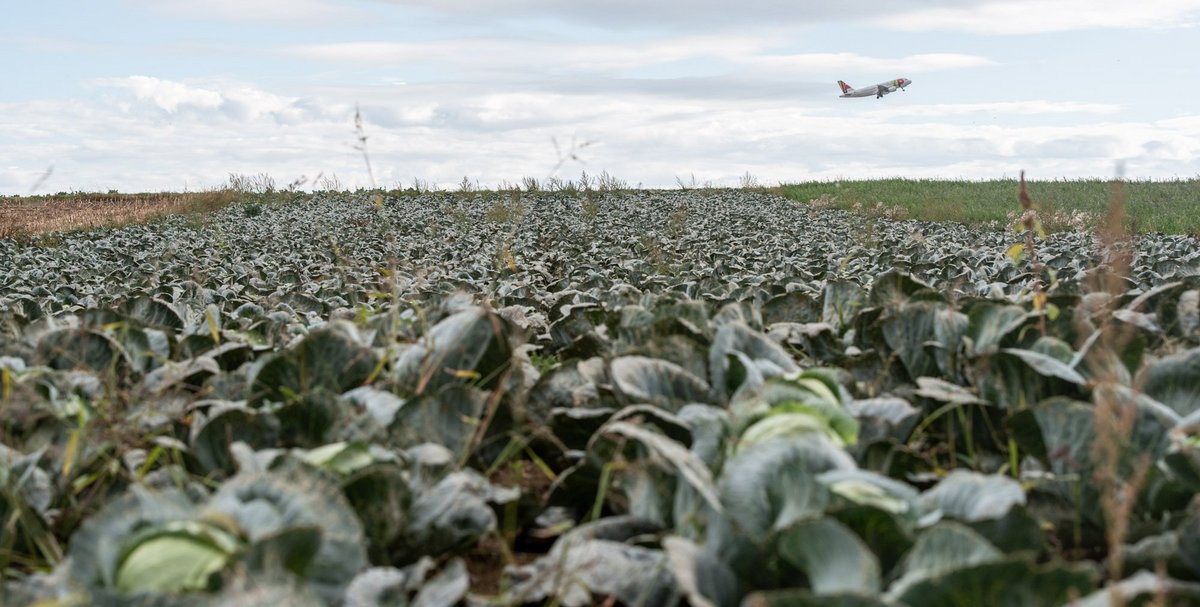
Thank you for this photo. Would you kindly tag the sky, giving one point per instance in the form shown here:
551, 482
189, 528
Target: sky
173, 95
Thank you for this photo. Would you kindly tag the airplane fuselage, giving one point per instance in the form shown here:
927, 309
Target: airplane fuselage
875, 90
869, 91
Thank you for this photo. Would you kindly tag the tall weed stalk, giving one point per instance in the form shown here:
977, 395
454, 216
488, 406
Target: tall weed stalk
1119, 475
360, 134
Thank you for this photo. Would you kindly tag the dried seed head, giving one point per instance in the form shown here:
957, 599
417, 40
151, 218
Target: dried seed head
1023, 194
1028, 218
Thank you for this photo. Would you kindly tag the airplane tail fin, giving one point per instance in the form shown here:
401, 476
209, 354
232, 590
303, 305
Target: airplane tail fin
846, 88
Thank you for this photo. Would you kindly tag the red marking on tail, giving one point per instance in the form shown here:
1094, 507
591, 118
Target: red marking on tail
846, 88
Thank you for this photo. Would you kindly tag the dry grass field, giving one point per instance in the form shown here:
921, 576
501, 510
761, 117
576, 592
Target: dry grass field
23, 217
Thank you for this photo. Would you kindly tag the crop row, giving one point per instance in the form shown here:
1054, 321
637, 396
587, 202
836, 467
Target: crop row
654, 398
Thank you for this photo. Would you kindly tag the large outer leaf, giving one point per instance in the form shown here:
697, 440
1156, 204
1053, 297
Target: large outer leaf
1017, 532
709, 428
1188, 315
949, 327
82, 349
471, 344
154, 312
342, 458
703, 578
1046, 365
910, 330
888, 534
767, 356
652, 442
1060, 432
225, 424
448, 587
883, 417
387, 586
1153, 551
795, 306
23, 482
264, 504
1189, 540
261, 590
990, 326
308, 379
663, 450
893, 287
1014, 582
381, 498
292, 550
833, 557
806, 598
448, 416
575, 427
147, 349
771, 485
940, 549
970, 496
946, 392
594, 559
1142, 588
451, 515
190, 373
379, 404
842, 300
631, 573
326, 360
817, 341
1014, 378
650, 380
1175, 381
565, 386
868, 488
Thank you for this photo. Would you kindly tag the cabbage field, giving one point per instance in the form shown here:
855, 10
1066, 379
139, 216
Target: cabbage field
643, 398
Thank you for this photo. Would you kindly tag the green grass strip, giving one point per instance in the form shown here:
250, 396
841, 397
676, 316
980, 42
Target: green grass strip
1169, 206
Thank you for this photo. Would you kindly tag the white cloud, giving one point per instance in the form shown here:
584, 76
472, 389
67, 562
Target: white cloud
1040, 16
1024, 108
979, 16
165, 94
678, 15
851, 62
236, 101
1183, 124
134, 141
255, 11
487, 55
726, 65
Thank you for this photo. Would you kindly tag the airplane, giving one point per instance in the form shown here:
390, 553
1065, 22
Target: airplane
879, 90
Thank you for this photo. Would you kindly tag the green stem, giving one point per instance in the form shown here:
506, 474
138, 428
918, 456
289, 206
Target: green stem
601, 492
1014, 458
968, 437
